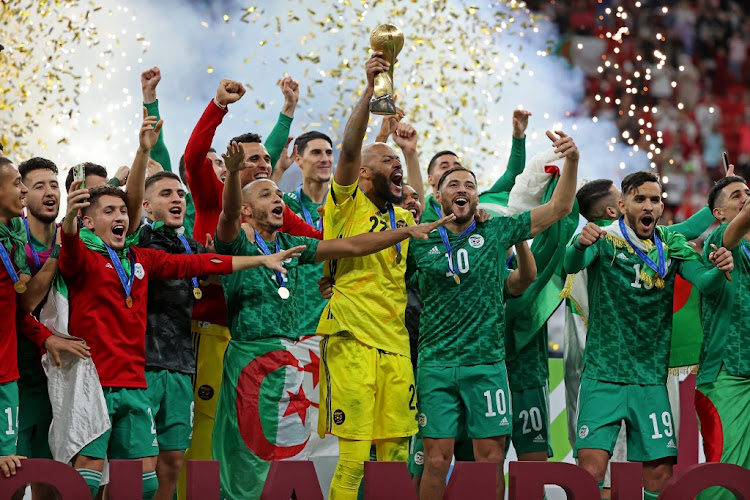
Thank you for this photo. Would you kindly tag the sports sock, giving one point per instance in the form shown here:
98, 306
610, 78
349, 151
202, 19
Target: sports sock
650, 495
150, 485
350, 469
93, 478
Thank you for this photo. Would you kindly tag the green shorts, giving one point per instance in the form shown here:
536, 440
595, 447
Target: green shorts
171, 397
723, 407
9, 416
645, 409
476, 395
531, 421
133, 432
34, 420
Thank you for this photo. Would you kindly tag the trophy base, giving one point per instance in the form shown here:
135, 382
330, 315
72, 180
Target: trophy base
383, 106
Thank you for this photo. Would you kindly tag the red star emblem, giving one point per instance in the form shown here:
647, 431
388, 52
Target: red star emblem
298, 403
313, 367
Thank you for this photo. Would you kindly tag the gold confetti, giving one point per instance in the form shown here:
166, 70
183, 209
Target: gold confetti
210, 69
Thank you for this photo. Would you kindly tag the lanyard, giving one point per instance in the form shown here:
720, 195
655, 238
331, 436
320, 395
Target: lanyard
34, 253
392, 217
660, 268
127, 284
747, 252
447, 244
306, 212
187, 250
437, 208
509, 260
283, 291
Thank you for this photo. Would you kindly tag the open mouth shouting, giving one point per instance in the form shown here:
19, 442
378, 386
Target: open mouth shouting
118, 234
278, 211
396, 179
646, 225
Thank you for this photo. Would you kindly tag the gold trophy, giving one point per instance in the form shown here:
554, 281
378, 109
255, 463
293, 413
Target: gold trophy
389, 40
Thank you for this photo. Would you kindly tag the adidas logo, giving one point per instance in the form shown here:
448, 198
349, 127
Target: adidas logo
622, 256
434, 251
539, 439
504, 421
671, 444
155, 443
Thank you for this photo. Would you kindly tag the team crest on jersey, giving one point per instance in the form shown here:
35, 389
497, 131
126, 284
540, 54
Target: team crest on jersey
476, 241
422, 419
139, 272
419, 458
583, 431
339, 417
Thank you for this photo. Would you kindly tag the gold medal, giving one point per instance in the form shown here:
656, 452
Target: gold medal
197, 293
19, 286
398, 258
129, 301
457, 279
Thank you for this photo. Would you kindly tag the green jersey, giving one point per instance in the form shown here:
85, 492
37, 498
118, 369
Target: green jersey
255, 310
529, 368
463, 324
630, 318
310, 303
725, 317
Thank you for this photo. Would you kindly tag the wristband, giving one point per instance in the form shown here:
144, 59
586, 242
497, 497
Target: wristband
219, 104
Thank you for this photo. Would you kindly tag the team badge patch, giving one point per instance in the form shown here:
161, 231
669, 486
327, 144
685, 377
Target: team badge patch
205, 392
422, 419
419, 458
139, 272
476, 240
339, 417
583, 431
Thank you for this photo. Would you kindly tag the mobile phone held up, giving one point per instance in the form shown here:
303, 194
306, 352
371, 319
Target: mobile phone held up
79, 175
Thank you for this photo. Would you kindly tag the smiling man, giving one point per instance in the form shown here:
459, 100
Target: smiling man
631, 269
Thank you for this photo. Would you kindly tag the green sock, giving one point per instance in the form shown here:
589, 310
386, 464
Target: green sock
93, 478
150, 485
650, 495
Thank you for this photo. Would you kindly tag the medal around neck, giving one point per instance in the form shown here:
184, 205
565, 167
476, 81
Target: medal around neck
197, 293
129, 301
19, 286
283, 292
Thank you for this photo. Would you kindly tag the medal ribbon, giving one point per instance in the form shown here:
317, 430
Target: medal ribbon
127, 284
34, 253
747, 252
447, 243
264, 248
509, 260
392, 217
306, 212
661, 267
8, 264
437, 208
187, 249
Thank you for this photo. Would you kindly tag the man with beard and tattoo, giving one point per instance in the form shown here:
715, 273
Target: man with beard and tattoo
631, 268
461, 375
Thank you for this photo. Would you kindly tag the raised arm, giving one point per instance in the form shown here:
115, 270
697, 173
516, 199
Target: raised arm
738, 228
285, 161
520, 279
583, 251
136, 185
277, 139
517, 160
369, 243
347, 169
77, 199
561, 202
230, 220
149, 80
406, 139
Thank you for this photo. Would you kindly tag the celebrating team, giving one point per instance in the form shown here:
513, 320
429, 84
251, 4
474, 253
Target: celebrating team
416, 320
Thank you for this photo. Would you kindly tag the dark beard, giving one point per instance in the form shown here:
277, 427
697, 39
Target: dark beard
381, 187
462, 219
47, 219
633, 223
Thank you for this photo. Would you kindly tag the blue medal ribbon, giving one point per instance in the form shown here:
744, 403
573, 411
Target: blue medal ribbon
306, 212
509, 260
8, 264
392, 217
264, 248
437, 208
34, 253
447, 243
747, 252
661, 267
187, 249
127, 284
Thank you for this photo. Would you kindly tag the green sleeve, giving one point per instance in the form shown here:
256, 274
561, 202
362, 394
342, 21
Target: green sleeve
114, 181
189, 221
695, 225
577, 259
707, 278
516, 162
308, 254
159, 151
276, 140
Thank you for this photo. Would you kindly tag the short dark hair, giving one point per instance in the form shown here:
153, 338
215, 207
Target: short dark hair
633, 181
304, 139
36, 163
182, 170
88, 169
717, 188
589, 197
4, 161
431, 165
153, 179
245, 138
449, 172
105, 190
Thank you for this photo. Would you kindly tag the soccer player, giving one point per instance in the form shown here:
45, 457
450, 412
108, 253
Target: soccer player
722, 398
264, 321
631, 271
107, 280
461, 375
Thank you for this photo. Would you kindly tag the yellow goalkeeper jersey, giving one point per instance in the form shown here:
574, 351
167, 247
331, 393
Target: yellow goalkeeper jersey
369, 293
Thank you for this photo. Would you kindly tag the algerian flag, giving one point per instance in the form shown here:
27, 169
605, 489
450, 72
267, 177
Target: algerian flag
267, 410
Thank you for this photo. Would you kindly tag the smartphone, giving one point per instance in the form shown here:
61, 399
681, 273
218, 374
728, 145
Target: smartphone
80, 174
725, 157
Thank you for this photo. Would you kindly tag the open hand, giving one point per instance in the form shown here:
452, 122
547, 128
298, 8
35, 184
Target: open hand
564, 145
420, 231
56, 345
275, 260
10, 463
149, 133
234, 158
